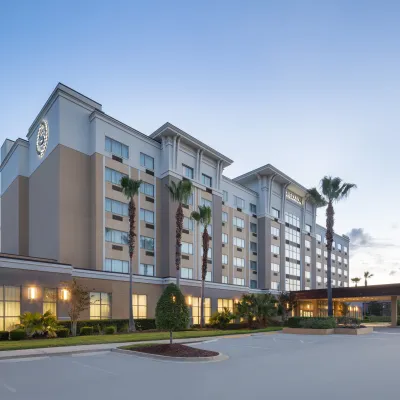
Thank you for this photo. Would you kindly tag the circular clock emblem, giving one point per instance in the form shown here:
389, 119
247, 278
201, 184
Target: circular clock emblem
42, 138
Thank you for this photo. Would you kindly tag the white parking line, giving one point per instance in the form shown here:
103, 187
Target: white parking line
301, 341
95, 368
9, 388
96, 353
257, 347
16, 360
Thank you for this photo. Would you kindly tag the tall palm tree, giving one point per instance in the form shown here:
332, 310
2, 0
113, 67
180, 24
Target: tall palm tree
332, 191
367, 275
130, 188
203, 217
180, 193
355, 281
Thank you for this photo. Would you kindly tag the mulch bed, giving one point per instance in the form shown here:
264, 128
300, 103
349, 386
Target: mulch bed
175, 350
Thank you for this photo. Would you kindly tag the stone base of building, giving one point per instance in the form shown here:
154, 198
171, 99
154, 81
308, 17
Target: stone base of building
302, 331
350, 331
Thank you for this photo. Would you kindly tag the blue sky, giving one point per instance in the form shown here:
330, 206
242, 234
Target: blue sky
311, 87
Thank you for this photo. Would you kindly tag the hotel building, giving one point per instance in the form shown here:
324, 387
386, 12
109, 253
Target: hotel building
64, 216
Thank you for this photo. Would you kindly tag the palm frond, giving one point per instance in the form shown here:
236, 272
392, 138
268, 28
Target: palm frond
326, 186
316, 197
181, 191
346, 189
196, 216
203, 216
130, 187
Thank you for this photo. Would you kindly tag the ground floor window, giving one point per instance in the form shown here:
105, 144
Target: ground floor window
196, 310
10, 307
225, 303
306, 309
50, 301
139, 306
100, 305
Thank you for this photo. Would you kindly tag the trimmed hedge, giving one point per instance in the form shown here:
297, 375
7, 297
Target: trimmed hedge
62, 332
120, 324
4, 335
110, 330
86, 331
377, 318
312, 322
17, 334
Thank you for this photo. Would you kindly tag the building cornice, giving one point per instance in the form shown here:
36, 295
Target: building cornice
18, 142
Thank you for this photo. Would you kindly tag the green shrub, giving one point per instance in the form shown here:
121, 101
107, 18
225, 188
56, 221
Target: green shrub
37, 325
17, 334
312, 322
348, 321
62, 332
86, 331
377, 318
294, 322
4, 335
221, 319
120, 324
110, 330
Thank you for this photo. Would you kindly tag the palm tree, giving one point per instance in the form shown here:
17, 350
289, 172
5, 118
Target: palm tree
332, 190
203, 217
130, 188
355, 281
367, 275
180, 193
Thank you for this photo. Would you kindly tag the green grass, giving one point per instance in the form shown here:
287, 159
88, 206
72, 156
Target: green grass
121, 338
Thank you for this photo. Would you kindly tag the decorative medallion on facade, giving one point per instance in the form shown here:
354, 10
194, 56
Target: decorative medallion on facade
294, 197
42, 138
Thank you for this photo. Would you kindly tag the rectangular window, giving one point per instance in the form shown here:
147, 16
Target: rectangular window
339, 271
50, 301
308, 274
275, 267
346, 284
333, 270
116, 207
238, 222
186, 273
238, 281
319, 266
119, 266
147, 189
146, 269
147, 243
114, 176
293, 235
333, 257
238, 242
253, 208
209, 256
196, 309
308, 228
325, 267
292, 269
117, 148
253, 284
345, 272
339, 246
208, 276
224, 259
224, 279
333, 245
253, 227
147, 216
292, 252
274, 231
146, 161
339, 259
319, 251
253, 265
224, 216
292, 219
209, 229
345, 249
188, 172
225, 303
139, 306
275, 285
188, 223
292, 284
225, 196
190, 200
206, 180
319, 279
187, 248
274, 249
224, 238
307, 259
345, 261
115, 236
206, 203
253, 246
307, 243
238, 202
238, 262
275, 213
325, 254
100, 305
318, 237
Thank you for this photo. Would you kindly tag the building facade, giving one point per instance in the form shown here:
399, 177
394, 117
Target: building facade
64, 216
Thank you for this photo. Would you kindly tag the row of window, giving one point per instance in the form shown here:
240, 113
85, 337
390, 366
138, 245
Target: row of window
122, 266
115, 177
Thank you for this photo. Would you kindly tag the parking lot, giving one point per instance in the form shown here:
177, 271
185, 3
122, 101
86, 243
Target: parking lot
259, 366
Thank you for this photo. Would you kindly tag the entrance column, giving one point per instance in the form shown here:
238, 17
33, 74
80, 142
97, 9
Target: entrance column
394, 311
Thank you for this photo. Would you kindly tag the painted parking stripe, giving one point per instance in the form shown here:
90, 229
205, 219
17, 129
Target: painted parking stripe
96, 353
9, 388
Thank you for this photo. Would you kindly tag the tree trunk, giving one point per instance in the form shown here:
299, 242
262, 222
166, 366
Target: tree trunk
170, 337
202, 305
206, 242
329, 239
74, 325
178, 248
132, 234
366, 283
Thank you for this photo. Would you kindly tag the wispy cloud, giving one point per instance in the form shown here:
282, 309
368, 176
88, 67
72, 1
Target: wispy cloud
361, 239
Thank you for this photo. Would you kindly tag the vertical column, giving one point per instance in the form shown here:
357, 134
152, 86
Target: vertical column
394, 312
217, 238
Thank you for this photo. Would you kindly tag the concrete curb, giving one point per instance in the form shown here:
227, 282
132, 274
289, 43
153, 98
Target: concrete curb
58, 353
219, 357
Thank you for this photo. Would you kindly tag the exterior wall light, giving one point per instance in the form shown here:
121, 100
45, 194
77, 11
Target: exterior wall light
189, 300
64, 294
32, 293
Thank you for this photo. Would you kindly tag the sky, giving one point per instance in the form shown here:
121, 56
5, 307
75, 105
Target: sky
311, 87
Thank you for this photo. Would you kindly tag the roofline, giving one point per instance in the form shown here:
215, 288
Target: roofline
345, 237
178, 131
17, 142
240, 185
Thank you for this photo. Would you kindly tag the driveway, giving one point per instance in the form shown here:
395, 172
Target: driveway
261, 366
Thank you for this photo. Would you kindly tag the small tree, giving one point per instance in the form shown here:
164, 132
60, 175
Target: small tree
367, 275
221, 319
264, 308
288, 302
79, 301
345, 309
246, 308
172, 313
355, 281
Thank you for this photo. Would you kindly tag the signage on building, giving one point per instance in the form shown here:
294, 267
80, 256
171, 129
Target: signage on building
294, 197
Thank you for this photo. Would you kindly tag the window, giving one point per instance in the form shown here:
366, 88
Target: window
307, 243
274, 231
339, 259
117, 148
139, 306
187, 248
339, 246
225, 303
225, 196
147, 216
275, 213
333, 270
186, 273
224, 216
209, 229
208, 277
253, 284
119, 266
333, 245
319, 279
333, 257
333, 282
114, 176
318, 237
209, 256
325, 267
238, 222
253, 208
238, 262
146, 269
274, 249
50, 301
147, 189
224, 238
307, 259
275, 267
238, 202
115, 236
188, 172
345, 261
206, 203
224, 279
238, 281
116, 207
275, 285
146, 161
345, 249
292, 252
345, 272
147, 243
253, 246
319, 251
196, 310
253, 265
319, 266
190, 200
292, 219
224, 259
308, 274
188, 223
308, 228
339, 271
206, 180
253, 227
325, 254
346, 284
292, 284
100, 305
238, 242
293, 235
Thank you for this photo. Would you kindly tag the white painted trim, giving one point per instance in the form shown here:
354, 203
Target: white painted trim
35, 266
